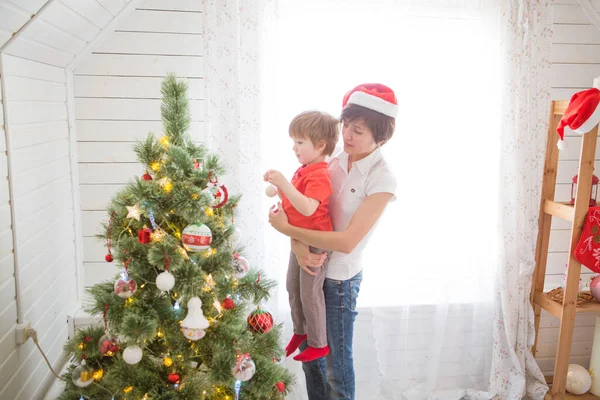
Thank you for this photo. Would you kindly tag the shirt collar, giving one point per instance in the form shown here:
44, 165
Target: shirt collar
305, 169
364, 165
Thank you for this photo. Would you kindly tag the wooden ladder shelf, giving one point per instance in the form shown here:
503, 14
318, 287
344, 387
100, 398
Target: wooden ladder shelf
576, 214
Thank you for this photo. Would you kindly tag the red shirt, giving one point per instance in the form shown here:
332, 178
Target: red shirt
312, 181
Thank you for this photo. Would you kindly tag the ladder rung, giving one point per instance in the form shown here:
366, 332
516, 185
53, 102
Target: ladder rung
560, 107
565, 211
555, 308
548, 304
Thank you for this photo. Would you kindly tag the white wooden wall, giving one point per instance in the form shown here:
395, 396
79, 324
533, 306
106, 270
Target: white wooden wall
117, 100
575, 63
38, 107
43, 206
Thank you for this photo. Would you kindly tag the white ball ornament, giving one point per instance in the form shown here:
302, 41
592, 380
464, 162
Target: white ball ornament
579, 380
271, 191
196, 237
165, 281
132, 355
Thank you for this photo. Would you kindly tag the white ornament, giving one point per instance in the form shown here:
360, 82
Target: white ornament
271, 190
132, 355
579, 380
134, 212
82, 376
244, 368
196, 237
241, 266
194, 322
165, 281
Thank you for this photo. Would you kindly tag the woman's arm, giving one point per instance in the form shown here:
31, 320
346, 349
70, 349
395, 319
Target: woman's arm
344, 241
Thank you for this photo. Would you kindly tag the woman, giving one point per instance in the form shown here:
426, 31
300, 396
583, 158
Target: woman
363, 185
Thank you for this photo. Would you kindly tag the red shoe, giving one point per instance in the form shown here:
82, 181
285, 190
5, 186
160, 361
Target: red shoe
294, 343
312, 353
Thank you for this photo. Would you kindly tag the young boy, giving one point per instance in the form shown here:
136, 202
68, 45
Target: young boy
305, 200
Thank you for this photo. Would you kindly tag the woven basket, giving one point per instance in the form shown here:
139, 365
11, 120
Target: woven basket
582, 297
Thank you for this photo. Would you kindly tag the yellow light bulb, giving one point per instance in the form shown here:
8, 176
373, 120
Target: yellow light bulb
168, 187
128, 389
98, 374
195, 196
177, 235
159, 334
164, 141
80, 346
168, 362
129, 301
155, 166
209, 212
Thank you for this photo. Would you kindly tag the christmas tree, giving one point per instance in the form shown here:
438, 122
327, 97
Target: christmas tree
183, 318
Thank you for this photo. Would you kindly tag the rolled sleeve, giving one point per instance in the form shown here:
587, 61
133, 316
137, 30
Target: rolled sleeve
382, 180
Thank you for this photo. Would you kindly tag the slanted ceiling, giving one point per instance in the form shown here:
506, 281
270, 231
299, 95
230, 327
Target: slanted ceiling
56, 32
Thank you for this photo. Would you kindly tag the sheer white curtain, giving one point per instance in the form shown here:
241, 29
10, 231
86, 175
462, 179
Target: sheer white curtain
238, 91
444, 310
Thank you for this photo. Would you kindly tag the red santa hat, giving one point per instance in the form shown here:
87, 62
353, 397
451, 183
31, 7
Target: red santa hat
582, 114
374, 96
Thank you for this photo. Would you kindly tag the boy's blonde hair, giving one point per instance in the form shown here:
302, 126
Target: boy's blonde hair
317, 126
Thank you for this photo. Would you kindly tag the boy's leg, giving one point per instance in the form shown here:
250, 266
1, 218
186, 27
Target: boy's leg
293, 289
313, 306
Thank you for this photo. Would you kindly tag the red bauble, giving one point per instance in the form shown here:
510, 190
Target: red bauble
174, 378
227, 303
108, 345
109, 258
147, 177
260, 321
280, 386
144, 235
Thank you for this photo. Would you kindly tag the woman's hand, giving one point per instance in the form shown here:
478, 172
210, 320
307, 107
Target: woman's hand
306, 259
278, 218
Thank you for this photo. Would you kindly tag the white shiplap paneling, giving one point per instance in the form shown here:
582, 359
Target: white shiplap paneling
37, 126
575, 63
117, 101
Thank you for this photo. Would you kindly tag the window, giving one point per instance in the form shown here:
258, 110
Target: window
437, 242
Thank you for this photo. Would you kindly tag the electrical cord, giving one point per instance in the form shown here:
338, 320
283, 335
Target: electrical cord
32, 333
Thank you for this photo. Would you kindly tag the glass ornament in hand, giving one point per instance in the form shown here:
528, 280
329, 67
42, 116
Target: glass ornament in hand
125, 286
194, 322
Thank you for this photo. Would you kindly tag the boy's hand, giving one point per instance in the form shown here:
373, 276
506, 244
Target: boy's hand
275, 178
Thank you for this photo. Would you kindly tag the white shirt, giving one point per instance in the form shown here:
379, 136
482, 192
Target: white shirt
367, 176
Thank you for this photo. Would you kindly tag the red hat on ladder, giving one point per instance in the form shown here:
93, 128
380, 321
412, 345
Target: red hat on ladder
582, 114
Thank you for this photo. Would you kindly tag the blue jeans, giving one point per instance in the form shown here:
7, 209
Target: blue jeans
332, 377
